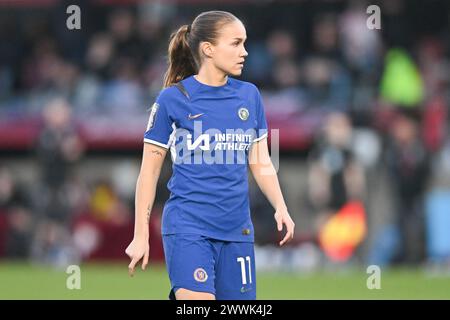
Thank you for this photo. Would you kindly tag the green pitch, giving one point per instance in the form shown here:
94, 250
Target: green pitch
111, 281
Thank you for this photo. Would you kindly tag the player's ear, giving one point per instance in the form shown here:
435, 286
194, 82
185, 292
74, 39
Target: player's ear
207, 49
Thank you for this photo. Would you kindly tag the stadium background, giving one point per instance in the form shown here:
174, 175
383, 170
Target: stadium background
364, 149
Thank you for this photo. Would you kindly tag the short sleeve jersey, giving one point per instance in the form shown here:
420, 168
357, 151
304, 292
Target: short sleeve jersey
209, 131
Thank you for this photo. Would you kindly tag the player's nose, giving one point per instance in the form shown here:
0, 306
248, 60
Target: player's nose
244, 53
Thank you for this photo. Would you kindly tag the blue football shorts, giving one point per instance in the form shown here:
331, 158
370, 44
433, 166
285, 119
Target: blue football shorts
198, 263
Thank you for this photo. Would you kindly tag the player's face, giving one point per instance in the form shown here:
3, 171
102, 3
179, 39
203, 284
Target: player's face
229, 51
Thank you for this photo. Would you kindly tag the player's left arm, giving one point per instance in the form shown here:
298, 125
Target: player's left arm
266, 177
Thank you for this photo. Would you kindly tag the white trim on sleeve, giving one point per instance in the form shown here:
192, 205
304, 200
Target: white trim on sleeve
156, 143
260, 138
173, 152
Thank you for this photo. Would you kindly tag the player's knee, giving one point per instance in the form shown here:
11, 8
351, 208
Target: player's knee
185, 294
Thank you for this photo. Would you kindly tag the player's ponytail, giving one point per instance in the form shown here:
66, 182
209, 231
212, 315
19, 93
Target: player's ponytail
180, 59
183, 54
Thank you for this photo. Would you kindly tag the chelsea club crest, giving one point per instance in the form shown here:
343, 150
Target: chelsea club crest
243, 113
200, 275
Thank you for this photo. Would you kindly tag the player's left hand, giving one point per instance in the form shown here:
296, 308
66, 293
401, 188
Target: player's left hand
283, 217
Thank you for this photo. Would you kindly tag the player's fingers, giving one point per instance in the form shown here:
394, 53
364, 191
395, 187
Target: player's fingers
128, 252
288, 236
279, 223
132, 265
290, 228
145, 261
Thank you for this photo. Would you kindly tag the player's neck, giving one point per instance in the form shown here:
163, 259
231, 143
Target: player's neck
211, 77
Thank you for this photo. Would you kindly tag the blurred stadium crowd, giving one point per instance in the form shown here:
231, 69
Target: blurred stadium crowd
362, 117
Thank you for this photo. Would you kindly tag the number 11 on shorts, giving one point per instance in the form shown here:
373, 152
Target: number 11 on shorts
244, 276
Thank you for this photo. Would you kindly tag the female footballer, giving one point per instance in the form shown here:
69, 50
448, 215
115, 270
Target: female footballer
215, 128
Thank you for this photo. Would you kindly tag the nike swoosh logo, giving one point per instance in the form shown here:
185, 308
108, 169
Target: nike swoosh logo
195, 116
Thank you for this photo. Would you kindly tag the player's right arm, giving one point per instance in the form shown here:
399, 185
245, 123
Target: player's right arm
152, 161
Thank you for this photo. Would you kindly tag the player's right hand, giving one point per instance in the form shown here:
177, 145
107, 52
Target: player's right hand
136, 250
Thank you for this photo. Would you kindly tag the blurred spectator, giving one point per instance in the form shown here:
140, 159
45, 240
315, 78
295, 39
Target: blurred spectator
258, 64
326, 37
328, 83
434, 66
361, 47
362, 55
122, 27
408, 165
99, 55
16, 221
58, 147
281, 58
401, 82
396, 26
122, 96
335, 175
281, 45
437, 217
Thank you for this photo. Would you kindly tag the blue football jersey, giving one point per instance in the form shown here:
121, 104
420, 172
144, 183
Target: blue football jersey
209, 131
